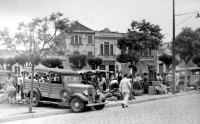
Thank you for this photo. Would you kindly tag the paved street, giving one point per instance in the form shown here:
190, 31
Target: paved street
178, 110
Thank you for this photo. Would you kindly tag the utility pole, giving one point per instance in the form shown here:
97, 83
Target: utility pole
173, 51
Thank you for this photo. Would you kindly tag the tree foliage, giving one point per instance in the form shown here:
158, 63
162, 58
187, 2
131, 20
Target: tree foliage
37, 37
52, 62
94, 62
168, 59
141, 37
184, 47
22, 59
77, 61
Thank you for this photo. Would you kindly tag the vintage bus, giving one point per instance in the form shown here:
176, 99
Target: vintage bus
193, 76
61, 86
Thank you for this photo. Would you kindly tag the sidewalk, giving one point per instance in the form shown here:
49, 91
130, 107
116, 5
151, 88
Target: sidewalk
13, 112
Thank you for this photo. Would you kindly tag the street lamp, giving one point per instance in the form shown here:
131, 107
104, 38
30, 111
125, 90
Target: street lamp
173, 47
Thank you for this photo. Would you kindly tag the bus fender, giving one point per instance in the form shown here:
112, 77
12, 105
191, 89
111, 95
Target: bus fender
80, 96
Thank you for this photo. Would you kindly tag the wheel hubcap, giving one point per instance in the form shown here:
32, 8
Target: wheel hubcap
64, 94
34, 99
77, 105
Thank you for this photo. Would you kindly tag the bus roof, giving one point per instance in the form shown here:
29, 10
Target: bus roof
55, 70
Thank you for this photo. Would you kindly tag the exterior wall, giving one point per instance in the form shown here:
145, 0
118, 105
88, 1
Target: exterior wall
109, 60
165, 49
82, 48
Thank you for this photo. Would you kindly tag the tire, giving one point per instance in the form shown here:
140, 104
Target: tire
77, 105
99, 107
36, 99
65, 95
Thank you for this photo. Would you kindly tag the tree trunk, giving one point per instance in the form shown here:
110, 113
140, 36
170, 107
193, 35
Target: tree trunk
31, 93
186, 75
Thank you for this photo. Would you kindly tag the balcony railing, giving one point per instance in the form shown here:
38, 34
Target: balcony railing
148, 57
109, 57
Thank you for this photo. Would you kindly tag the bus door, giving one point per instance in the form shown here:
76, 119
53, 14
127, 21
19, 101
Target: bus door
55, 85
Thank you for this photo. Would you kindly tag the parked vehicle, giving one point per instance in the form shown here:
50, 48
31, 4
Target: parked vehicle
63, 87
193, 78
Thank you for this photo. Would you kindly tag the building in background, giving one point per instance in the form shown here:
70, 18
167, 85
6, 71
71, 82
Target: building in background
106, 49
161, 67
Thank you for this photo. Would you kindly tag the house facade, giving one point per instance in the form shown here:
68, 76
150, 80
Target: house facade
106, 49
80, 41
161, 67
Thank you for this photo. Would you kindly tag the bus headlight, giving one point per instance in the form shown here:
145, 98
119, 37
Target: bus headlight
86, 92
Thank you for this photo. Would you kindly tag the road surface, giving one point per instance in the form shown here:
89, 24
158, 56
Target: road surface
178, 110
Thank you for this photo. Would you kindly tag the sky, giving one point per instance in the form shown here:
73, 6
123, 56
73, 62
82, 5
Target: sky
116, 15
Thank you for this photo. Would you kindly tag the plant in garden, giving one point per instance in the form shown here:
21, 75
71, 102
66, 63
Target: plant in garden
94, 62
77, 61
167, 60
52, 62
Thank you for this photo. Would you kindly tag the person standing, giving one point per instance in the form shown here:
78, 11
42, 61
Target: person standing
10, 88
104, 82
21, 86
169, 79
145, 83
125, 88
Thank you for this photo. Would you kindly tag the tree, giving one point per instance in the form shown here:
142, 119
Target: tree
141, 37
167, 60
37, 38
184, 47
196, 46
94, 62
52, 62
78, 61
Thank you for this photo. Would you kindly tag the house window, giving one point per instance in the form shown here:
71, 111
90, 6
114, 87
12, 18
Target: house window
101, 49
90, 55
106, 48
76, 39
80, 40
72, 39
90, 40
111, 49
150, 52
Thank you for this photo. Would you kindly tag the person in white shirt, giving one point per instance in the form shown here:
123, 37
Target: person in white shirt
125, 89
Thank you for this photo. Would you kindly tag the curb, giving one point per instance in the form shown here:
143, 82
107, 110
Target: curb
151, 99
44, 114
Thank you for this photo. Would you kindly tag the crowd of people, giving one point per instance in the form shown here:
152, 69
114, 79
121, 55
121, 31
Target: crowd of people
102, 82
